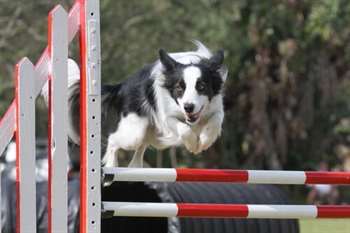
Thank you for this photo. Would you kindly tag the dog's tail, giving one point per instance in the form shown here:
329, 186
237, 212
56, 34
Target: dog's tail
73, 100
73, 77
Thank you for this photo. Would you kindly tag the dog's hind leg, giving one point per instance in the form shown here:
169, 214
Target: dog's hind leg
137, 158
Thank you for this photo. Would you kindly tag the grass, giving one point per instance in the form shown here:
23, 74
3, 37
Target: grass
325, 226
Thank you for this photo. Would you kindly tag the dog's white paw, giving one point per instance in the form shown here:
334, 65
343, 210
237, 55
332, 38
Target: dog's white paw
207, 137
189, 138
110, 160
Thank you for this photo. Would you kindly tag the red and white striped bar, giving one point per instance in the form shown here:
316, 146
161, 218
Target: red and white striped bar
216, 175
140, 209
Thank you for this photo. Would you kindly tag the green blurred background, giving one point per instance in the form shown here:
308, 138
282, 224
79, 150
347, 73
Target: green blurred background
287, 97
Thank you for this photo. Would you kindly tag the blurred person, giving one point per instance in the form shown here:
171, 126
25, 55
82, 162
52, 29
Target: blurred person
323, 193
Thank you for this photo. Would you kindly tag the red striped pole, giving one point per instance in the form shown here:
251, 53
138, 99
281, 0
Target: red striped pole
234, 176
192, 210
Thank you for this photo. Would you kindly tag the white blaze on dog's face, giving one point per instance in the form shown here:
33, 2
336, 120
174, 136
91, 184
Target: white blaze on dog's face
193, 102
193, 86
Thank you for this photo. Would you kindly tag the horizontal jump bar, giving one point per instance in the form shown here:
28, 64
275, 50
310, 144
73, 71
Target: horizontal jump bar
141, 209
217, 175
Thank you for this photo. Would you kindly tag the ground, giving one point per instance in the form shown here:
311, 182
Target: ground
325, 226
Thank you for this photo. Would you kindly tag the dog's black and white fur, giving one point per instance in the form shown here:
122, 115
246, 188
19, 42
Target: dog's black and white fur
175, 101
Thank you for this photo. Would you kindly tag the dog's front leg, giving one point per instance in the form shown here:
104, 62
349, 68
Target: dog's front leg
184, 131
210, 132
110, 158
137, 159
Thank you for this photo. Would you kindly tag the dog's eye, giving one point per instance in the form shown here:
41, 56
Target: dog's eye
179, 89
200, 86
178, 86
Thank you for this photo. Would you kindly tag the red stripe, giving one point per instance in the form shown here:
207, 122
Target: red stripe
333, 211
212, 210
327, 177
49, 145
18, 211
212, 175
83, 116
49, 128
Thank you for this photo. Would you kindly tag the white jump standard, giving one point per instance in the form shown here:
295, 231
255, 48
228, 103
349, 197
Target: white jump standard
19, 118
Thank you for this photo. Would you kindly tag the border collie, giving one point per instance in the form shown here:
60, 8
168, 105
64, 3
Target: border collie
175, 101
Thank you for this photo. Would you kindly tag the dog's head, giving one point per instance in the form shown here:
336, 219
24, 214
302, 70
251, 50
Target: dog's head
193, 86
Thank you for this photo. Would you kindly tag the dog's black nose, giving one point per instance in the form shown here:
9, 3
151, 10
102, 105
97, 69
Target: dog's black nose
189, 107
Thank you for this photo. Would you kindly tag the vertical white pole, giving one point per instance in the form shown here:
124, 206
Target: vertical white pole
25, 151
58, 117
90, 174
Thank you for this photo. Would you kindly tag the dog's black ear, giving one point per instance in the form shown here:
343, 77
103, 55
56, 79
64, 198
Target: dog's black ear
168, 62
217, 60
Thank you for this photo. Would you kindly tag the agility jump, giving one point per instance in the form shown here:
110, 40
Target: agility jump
19, 120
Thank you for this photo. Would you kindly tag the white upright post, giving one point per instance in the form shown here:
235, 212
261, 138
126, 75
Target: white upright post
58, 117
90, 139
25, 147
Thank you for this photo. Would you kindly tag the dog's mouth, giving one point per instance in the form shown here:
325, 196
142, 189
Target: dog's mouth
193, 117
